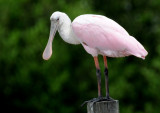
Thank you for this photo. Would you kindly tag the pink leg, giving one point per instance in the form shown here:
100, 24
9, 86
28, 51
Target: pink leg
106, 76
98, 73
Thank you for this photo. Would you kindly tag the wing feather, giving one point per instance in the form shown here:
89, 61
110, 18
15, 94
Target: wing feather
102, 33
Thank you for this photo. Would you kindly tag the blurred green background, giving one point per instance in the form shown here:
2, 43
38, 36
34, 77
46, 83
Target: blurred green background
28, 84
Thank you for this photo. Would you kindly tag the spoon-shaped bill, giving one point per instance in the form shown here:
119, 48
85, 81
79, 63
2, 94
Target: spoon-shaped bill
48, 50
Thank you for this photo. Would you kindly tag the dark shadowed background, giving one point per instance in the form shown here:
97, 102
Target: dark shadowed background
28, 84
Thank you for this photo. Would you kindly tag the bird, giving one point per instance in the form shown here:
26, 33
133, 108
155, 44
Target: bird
99, 35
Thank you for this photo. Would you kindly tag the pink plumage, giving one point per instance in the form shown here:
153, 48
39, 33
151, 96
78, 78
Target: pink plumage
101, 35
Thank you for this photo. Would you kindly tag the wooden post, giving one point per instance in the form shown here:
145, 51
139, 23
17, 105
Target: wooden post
103, 107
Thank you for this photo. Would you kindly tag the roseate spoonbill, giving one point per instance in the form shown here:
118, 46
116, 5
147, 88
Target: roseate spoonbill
98, 35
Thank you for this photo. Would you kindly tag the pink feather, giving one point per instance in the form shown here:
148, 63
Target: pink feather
101, 35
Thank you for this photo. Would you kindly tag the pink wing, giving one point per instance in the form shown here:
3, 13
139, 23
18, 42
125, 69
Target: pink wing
104, 34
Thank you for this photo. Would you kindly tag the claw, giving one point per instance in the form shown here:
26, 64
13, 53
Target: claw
97, 100
108, 99
92, 100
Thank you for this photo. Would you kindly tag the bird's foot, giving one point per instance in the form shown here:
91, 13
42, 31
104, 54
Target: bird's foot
108, 99
97, 100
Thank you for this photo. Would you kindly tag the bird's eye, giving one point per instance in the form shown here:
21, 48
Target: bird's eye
57, 19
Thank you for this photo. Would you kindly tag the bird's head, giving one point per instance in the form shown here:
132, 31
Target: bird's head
56, 21
56, 17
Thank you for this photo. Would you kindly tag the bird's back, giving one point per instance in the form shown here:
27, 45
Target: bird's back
107, 36
101, 21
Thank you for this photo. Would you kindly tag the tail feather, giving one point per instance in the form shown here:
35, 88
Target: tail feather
139, 50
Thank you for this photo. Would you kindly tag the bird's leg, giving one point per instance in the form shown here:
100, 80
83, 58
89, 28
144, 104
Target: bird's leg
106, 76
98, 73
106, 79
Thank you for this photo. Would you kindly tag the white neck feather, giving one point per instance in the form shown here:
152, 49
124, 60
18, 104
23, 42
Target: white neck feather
65, 30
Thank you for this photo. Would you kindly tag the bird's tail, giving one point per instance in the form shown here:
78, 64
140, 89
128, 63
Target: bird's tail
139, 50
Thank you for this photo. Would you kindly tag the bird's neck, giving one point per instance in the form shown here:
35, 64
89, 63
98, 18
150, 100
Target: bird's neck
66, 32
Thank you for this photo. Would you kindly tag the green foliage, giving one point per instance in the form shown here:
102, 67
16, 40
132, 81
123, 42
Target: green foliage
30, 84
